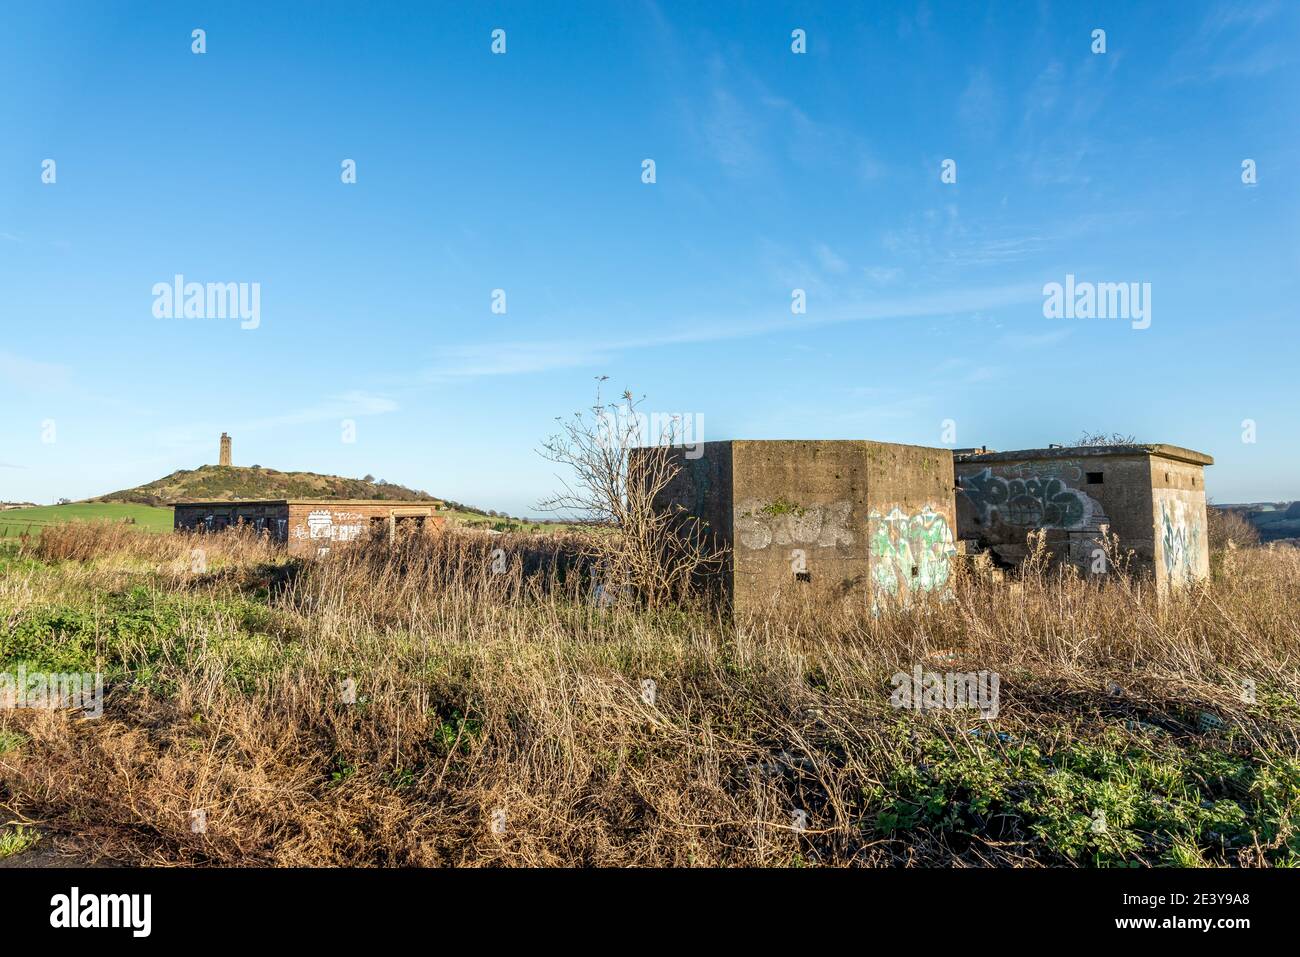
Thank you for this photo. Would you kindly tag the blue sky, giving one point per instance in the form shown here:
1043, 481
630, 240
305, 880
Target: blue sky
523, 172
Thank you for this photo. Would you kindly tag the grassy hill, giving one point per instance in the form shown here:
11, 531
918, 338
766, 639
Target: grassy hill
220, 483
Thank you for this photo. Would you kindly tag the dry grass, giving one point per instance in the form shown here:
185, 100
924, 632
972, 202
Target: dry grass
487, 681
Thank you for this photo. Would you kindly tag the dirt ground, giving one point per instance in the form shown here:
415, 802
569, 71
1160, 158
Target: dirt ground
56, 850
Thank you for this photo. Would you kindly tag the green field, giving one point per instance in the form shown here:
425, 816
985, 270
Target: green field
14, 522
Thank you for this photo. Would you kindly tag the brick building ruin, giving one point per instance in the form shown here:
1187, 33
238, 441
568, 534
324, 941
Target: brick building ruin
307, 526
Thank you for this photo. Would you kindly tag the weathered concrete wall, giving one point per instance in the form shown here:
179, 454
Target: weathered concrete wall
799, 512
702, 487
854, 517
701, 490
912, 521
1001, 500
308, 527
1071, 495
1181, 543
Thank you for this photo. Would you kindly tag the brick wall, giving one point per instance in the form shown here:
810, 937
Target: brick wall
317, 525
309, 527
272, 518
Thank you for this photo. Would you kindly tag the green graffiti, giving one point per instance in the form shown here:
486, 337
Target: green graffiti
910, 552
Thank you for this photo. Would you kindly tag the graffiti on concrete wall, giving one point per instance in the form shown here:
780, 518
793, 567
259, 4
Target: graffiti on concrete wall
1180, 539
760, 524
1042, 501
321, 524
910, 552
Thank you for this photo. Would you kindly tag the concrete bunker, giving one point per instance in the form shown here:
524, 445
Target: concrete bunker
1151, 497
871, 518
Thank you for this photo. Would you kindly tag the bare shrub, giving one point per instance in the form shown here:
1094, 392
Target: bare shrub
479, 691
1104, 438
482, 682
1226, 528
636, 547
184, 555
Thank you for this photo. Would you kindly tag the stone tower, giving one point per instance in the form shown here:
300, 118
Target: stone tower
225, 450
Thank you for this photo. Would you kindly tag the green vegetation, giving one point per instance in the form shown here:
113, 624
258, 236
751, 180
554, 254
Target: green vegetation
1122, 737
16, 521
1114, 798
139, 635
17, 839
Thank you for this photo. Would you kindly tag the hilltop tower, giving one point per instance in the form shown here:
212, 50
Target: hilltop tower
225, 450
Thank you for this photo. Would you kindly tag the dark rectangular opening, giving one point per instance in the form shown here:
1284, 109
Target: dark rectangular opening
1094, 478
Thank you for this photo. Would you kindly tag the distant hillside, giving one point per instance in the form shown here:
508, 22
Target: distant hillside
1276, 521
219, 483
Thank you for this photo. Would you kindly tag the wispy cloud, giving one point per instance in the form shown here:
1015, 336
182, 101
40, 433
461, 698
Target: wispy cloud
883, 275
1228, 43
731, 131
346, 405
477, 360
938, 237
739, 121
1038, 341
964, 372
902, 407
830, 260
979, 107
31, 374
